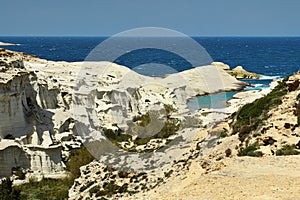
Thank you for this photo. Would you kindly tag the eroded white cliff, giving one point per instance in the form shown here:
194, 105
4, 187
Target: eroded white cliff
42, 101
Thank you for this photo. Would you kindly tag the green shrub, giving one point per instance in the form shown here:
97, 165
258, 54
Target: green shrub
170, 127
287, 150
144, 120
19, 173
7, 192
94, 190
244, 131
256, 134
169, 109
223, 134
250, 150
116, 136
9, 137
142, 141
251, 115
57, 188
77, 159
46, 189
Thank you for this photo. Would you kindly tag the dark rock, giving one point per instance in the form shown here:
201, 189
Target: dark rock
294, 85
287, 125
269, 141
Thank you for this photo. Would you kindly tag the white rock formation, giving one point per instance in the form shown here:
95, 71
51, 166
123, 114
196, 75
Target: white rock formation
7, 44
221, 65
39, 100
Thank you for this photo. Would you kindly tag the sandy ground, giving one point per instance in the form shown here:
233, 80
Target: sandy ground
238, 178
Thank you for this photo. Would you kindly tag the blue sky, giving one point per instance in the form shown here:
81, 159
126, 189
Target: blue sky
108, 17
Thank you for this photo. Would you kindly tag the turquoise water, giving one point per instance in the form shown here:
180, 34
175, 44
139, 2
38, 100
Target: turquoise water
210, 101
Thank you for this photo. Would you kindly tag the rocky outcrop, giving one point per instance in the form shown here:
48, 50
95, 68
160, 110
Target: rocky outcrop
38, 159
11, 156
238, 72
30, 118
7, 44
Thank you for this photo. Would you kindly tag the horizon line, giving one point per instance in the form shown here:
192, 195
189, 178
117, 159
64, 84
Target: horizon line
223, 36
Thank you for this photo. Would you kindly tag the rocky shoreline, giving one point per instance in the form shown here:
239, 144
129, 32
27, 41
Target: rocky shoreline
49, 109
238, 72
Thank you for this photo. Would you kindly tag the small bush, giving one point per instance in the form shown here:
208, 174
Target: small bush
142, 141
7, 192
9, 137
250, 151
223, 134
287, 150
228, 152
144, 120
19, 173
244, 132
170, 127
77, 159
94, 190
169, 109
116, 136
46, 189
256, 134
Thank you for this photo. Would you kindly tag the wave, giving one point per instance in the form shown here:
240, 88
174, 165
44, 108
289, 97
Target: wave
257, 86
264, 77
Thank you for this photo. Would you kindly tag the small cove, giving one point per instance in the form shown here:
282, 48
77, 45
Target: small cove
210, 101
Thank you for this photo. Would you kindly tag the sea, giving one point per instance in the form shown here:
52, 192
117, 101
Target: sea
271, 57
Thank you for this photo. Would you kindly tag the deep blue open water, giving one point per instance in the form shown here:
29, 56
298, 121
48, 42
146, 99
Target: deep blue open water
271, 56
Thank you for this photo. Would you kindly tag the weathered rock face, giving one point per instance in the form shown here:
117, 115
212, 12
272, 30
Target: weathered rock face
24, 111
15, 101
11, 155
38, 159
